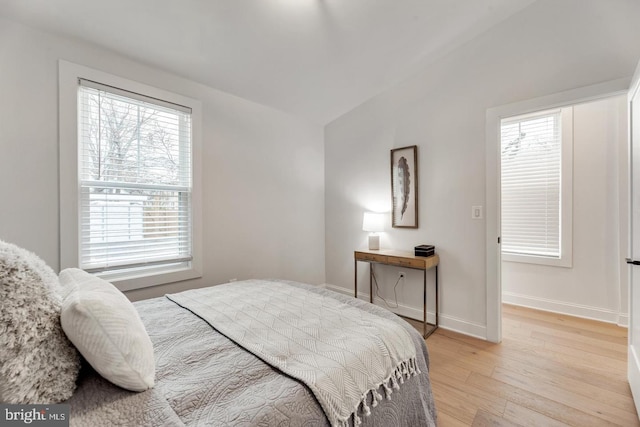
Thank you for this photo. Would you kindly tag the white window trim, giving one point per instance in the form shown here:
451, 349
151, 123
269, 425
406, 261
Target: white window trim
68, 75
566, 200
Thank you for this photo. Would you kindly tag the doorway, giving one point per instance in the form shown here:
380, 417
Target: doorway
601, 170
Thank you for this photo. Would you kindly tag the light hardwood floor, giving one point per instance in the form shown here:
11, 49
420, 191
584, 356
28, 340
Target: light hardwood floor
550, 370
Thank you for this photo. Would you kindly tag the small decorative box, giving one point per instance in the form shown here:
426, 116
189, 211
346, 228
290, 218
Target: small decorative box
425, 250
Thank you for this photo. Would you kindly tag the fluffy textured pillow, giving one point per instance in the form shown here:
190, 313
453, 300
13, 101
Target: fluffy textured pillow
105, 327
38, 364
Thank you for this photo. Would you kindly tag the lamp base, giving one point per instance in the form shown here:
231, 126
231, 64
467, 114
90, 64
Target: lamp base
374, 242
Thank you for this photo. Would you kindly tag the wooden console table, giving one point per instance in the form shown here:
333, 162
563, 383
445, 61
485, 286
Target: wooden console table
404, 260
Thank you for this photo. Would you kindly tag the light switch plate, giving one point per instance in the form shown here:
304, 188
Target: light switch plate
476, 212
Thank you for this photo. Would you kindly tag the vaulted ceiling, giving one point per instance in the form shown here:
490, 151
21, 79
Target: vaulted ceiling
313, 58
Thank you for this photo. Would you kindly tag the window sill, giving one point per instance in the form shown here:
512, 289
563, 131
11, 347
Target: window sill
144, 278
564, 261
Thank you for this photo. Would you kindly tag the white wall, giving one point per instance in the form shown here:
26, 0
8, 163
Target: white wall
593, 286
263, 170
547, 48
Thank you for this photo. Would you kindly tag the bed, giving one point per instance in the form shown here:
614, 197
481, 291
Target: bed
204, 378
249, 353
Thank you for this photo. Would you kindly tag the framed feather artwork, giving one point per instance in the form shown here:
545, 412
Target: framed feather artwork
404, 187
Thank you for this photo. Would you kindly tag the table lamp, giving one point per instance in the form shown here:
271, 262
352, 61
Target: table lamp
373, 222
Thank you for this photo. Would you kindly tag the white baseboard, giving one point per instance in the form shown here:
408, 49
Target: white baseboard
444, 321
571, 309
623, 320
480, 331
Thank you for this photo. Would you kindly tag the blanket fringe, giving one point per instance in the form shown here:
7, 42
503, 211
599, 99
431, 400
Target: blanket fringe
404, 370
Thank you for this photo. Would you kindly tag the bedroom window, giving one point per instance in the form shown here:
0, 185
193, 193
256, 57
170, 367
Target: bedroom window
136, 195
135, 180
536, 165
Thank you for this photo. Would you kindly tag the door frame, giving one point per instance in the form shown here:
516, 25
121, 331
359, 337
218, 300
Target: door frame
492, 183
633, 360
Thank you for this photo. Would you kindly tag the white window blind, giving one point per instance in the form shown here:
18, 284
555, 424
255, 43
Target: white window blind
135, 177
531, 151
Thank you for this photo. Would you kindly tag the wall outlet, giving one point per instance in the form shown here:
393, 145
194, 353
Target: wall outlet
476, 212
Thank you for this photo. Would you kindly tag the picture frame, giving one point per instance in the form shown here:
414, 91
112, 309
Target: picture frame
404, 187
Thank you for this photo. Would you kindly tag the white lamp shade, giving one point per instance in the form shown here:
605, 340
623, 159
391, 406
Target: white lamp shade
373, 221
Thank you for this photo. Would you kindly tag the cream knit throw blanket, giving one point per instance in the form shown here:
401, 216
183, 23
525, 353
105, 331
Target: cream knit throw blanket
342, 353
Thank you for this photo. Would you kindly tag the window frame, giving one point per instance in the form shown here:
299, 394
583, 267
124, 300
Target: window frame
135, 278
566, 193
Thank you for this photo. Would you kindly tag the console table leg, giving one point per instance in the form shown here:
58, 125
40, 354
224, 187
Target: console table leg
355, 280
436, 296
371, 283
424, 305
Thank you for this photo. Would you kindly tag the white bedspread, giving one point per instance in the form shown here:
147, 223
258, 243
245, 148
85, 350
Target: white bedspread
342, 353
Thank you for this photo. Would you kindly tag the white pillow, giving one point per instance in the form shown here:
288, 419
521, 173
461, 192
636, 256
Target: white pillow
106, 328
